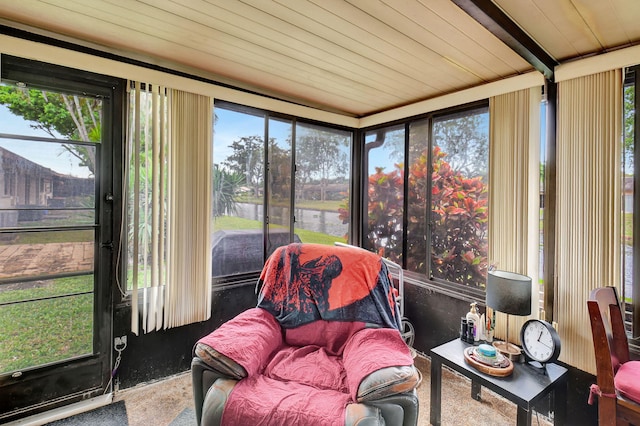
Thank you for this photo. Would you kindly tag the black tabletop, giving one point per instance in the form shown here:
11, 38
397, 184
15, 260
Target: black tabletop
524, 386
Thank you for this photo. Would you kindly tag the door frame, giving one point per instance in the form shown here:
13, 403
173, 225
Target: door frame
43, 388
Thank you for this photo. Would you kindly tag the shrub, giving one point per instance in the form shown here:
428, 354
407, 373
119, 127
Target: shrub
459, 219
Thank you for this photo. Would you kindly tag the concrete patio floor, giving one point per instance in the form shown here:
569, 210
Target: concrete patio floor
33, 260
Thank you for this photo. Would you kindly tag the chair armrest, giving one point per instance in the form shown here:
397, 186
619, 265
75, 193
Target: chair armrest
388, 381
378, 363
242, 346
203, 377
219, 362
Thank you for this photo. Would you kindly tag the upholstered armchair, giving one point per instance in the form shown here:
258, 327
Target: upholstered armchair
322, 347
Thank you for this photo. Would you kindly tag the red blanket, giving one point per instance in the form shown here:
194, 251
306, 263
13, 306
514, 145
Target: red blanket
290, 384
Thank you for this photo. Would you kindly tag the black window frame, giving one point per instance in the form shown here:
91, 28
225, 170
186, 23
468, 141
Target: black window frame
632, 77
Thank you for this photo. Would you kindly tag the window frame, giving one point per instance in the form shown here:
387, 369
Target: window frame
632, 77
358, 183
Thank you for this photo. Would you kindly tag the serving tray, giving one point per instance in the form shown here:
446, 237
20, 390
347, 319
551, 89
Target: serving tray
504, 369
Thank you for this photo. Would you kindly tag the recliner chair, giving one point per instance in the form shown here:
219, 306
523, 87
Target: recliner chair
322, 347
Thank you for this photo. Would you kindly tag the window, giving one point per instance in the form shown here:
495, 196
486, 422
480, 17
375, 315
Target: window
384, 195
459, 164
169, 202
238, 191
322, 184
279, 184
444, 180
294, 188
47, 236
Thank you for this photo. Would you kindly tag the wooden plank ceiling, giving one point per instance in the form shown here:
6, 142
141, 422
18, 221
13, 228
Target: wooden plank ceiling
356, 57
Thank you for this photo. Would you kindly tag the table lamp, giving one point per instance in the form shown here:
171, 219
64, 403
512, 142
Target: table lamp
509, 293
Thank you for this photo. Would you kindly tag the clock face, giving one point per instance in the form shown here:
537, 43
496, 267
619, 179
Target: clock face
540, 341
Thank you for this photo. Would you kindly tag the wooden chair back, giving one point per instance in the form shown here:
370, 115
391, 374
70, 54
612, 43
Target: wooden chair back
611, 350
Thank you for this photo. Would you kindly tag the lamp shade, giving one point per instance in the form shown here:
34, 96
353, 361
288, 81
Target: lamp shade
509, 292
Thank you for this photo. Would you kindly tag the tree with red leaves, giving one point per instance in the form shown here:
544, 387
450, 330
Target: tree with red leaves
459, 219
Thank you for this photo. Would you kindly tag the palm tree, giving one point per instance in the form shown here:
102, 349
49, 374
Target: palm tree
225, 188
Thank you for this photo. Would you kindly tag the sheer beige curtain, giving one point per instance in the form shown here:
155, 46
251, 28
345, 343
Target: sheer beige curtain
169, 207
588, 223
514, 191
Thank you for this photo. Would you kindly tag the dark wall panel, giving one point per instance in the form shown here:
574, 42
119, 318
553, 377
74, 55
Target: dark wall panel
435, 317
159, 354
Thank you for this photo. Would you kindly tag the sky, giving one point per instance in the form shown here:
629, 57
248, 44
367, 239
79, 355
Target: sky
230, 126
226, 131
50, 155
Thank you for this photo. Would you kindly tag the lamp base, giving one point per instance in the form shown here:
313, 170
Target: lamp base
509, 350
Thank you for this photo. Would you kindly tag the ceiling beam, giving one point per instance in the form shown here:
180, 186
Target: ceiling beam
500, 24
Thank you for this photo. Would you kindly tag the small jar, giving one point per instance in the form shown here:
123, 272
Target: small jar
463, 329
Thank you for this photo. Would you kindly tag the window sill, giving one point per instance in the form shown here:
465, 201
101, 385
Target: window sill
455, 291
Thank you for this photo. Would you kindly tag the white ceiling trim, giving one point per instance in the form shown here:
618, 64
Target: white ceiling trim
73, 59
606, 62
485, 91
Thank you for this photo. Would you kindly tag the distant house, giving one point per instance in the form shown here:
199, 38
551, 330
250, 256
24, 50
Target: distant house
628, 194
27, 189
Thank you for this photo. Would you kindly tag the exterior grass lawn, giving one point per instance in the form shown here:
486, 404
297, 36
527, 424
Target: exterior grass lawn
231, 222
53, 237
48, 330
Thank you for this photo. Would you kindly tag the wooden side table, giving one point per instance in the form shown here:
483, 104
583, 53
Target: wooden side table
525, 387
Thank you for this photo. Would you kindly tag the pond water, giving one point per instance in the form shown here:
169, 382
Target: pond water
326, 222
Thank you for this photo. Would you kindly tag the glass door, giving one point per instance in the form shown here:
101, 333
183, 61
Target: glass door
55, 239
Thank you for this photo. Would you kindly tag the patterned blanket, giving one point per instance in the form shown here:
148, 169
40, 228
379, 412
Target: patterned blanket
302, 283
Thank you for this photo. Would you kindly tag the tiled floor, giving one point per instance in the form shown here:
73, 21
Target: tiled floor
458, 408
159, 403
